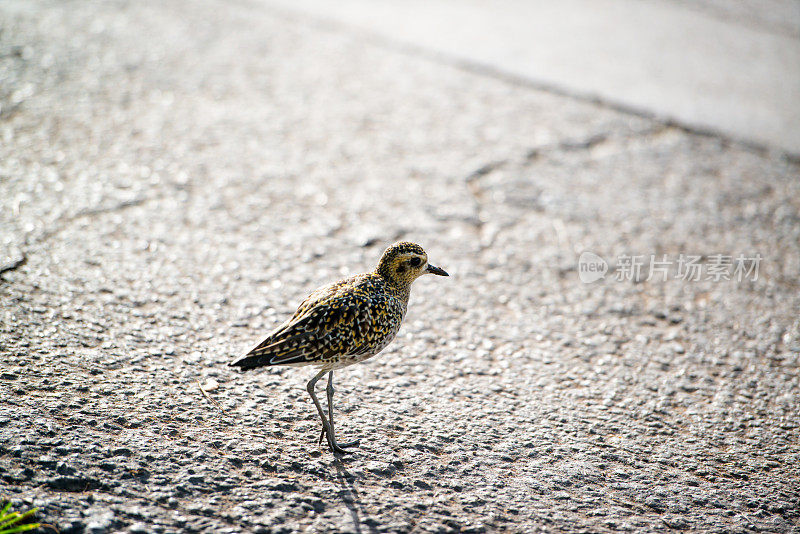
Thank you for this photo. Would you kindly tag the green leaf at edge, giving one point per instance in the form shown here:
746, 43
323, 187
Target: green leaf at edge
21, 528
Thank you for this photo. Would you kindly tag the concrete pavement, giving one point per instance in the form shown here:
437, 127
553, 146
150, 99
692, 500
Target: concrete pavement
178, 176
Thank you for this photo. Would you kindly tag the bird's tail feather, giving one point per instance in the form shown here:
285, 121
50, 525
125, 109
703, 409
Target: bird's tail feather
252, 362
277, 354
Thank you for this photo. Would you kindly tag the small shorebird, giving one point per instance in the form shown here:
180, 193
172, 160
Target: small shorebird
344, 323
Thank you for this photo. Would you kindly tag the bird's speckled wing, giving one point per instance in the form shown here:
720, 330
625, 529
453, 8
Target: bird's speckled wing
344, 319
321, 295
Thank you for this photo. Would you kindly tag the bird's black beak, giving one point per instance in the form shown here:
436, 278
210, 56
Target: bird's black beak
435, 270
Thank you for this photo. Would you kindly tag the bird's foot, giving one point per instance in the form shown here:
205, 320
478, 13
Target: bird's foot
341, 448
338, 448
349, 444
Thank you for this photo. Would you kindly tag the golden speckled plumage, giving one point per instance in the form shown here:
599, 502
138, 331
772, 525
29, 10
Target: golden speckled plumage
345, 322
339, 324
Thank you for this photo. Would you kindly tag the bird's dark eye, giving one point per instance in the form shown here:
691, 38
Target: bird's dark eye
415, 262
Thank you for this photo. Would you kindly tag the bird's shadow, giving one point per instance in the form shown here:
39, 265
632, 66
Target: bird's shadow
352, 499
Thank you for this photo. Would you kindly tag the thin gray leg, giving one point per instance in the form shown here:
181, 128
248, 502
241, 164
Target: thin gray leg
326, 426
329, 390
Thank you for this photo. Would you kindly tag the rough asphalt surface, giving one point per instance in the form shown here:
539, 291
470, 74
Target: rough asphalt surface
178, 176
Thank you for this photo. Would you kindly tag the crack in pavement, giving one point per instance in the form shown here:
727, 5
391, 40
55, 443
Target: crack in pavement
62, 222
60, 225
591, 141
13, 265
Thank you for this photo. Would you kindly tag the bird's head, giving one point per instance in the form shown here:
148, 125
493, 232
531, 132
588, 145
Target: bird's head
404, 262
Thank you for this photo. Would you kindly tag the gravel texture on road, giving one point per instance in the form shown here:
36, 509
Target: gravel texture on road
178, 176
